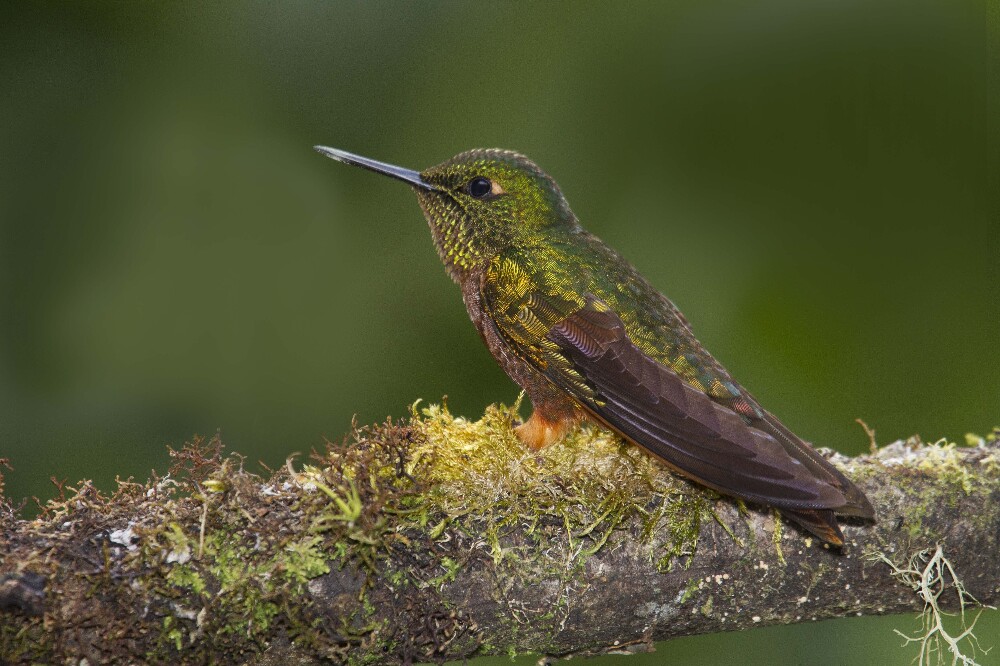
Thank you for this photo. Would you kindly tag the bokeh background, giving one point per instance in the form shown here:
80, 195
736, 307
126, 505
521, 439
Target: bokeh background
807, 180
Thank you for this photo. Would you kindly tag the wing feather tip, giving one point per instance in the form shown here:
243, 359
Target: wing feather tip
820, 523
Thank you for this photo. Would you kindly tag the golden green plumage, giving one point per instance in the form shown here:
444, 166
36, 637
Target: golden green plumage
532, 246
586, 335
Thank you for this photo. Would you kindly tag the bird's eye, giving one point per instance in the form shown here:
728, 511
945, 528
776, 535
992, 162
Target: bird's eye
479, 187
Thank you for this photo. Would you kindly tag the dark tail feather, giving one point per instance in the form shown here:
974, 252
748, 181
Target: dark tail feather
820, 522
857, 503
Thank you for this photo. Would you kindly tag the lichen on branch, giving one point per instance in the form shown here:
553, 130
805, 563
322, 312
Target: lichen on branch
440, 538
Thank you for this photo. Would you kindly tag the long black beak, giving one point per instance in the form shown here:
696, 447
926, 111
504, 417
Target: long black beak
406, 175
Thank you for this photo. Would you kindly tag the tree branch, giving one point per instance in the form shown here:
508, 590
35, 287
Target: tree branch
441, 538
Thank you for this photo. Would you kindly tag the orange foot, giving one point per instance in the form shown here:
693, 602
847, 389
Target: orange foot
538, 431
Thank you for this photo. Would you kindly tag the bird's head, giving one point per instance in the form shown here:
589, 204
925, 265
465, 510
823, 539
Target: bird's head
479, 203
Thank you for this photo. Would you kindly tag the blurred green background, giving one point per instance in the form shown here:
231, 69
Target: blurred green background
807, 181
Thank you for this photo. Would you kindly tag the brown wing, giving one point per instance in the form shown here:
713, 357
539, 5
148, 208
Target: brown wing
650, 404
724, 441
857, 503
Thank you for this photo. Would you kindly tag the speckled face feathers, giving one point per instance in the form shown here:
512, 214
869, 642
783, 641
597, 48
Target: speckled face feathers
486, 201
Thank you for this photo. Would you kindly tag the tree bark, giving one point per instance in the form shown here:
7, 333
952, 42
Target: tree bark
440, 539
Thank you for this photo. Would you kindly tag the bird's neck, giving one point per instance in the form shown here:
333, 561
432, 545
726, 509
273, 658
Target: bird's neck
464, 244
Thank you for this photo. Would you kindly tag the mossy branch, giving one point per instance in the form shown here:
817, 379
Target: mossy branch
441, 538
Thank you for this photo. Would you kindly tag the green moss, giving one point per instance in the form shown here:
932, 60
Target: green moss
591, 483
690, 589
575, 497
172, 633
303, 560
706, 608
989, 463
186, 577
234, 589
682, 525
941, 459
228, 556
776, 537
451, 568
951, 477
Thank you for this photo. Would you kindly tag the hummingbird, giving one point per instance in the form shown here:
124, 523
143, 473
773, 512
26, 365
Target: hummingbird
589, 338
